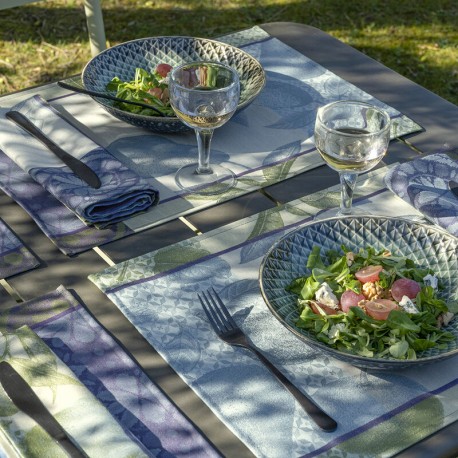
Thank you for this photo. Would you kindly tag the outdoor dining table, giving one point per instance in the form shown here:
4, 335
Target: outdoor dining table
83, 272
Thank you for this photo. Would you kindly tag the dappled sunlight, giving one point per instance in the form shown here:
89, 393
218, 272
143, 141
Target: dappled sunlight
128, 321
415, 39
106, 370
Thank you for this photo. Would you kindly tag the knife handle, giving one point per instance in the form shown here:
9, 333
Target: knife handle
78, 167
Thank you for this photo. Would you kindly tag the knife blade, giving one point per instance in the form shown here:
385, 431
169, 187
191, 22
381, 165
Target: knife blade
25, 399
79, 168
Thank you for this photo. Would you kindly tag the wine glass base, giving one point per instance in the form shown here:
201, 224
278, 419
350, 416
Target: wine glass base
220, 180
336, 212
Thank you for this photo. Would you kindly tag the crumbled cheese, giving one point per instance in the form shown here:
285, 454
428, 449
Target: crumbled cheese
324, 295
408, 305
431, 280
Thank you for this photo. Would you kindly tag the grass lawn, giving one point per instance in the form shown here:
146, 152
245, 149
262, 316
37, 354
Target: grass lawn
47, 40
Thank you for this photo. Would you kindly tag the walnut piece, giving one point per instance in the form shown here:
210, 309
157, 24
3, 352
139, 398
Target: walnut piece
372, 291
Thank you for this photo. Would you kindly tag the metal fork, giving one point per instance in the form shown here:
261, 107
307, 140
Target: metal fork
228, 331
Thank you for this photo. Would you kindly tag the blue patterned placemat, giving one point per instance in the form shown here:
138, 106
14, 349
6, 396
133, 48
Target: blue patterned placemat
14, 256
157, 292
76, 409
267, 142
138, 405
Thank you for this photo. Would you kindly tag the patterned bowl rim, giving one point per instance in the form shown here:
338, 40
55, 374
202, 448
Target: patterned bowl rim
168, 119
357, 360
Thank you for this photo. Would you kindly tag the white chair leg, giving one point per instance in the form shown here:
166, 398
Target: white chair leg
95, 26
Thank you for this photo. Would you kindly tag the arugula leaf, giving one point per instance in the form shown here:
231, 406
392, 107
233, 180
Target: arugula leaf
387, 278
349, 282
304, 287
321, 275
400, 320
297, 284
426, 300
422, 344
314, 260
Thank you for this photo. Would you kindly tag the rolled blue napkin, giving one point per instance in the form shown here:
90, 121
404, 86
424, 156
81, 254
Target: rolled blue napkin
123, 192
425, 183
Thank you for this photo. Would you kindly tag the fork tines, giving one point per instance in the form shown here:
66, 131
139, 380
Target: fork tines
216, 311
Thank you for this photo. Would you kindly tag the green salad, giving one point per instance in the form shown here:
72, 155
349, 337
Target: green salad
372, 304
146, 87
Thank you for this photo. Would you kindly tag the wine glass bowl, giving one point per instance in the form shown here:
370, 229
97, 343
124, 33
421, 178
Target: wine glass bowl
204, 95
352, 137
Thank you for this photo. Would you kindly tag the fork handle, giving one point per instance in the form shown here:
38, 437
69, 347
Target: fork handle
321, 418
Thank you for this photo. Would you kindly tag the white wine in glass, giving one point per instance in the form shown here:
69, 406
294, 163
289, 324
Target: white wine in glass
352, 137
204, 95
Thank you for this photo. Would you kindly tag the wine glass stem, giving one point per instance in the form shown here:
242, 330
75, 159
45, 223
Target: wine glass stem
204, 138
347, 182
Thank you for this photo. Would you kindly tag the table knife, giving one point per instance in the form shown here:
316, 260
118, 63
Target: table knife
79, 168
25, 399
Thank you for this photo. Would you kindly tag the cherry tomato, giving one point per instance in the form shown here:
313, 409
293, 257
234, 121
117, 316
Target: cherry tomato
379, 309
369, 273
350, 299
326, 309
163, 69
405, 287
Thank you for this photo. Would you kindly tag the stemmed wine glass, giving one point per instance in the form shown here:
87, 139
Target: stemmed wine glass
204, 95
352, 137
